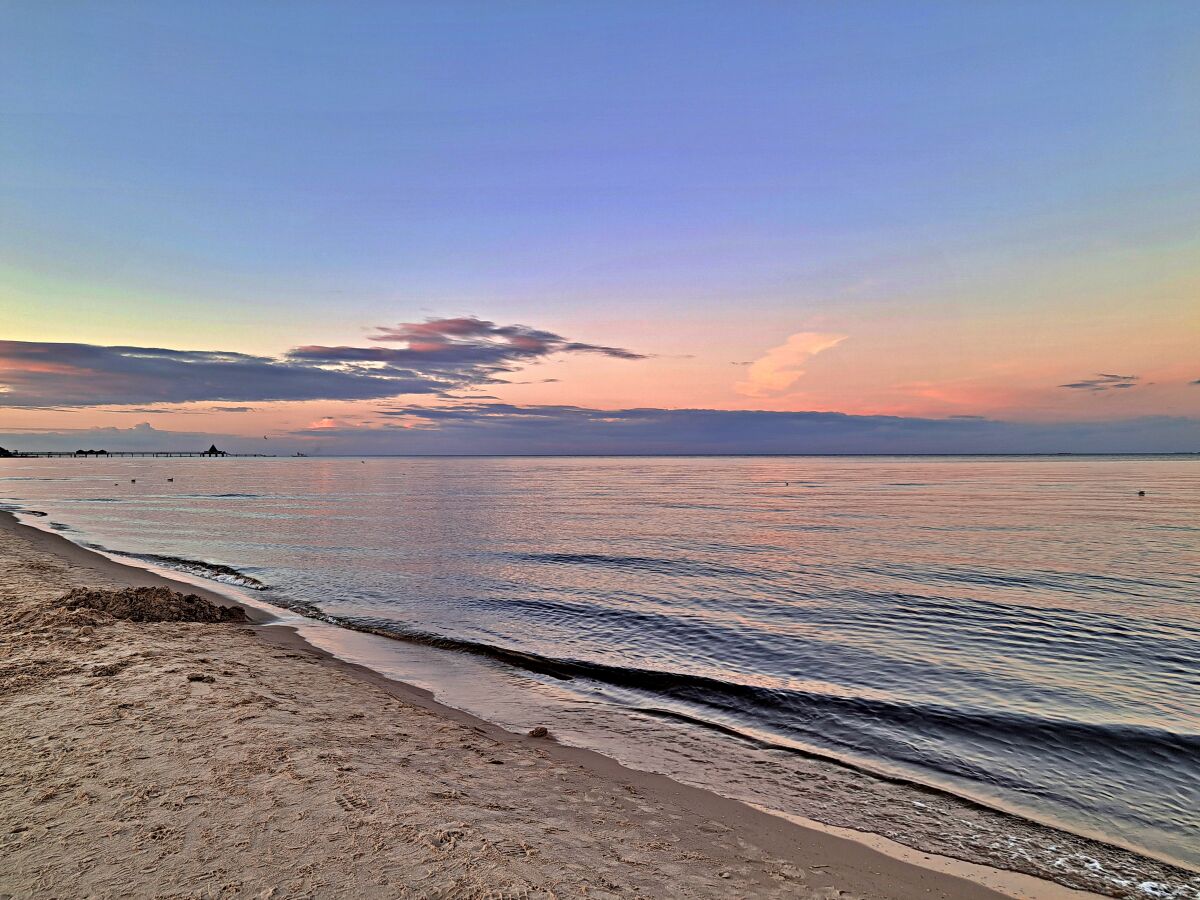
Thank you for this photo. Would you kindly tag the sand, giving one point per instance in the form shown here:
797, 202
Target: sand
222, 759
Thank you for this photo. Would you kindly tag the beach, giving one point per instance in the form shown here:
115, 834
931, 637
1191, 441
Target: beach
209, 760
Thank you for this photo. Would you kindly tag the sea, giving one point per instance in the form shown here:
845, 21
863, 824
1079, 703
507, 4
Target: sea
892, 644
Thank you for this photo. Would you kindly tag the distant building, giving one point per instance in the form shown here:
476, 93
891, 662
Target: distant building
4, 454
213, 451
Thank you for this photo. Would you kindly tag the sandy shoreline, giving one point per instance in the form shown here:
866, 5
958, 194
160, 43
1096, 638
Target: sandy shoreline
295, 773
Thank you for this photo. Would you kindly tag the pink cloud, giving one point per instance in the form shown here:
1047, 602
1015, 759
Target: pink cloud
779, 370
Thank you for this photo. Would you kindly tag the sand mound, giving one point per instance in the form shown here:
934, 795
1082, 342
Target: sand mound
151, 604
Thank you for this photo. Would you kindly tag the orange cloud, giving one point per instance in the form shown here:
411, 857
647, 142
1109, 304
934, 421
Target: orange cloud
778, 371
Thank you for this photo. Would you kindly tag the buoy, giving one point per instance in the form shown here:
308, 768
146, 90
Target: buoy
1141, 493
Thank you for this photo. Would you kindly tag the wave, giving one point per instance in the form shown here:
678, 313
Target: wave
895, 735
17, 508
828, 725
654, 564
1058, 581
212, 571
229, 496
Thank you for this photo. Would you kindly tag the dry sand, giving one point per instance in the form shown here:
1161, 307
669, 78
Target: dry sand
184, 759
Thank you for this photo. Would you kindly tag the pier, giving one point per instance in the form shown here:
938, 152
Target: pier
68, 454
211, 453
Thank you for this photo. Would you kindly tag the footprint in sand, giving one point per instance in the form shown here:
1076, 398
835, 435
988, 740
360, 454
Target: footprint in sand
510, 894
351, 804
445, 838
513, 849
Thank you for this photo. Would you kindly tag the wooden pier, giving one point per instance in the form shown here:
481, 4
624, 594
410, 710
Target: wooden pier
69, 454
211, 453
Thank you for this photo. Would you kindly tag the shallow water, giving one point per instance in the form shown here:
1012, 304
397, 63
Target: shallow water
1023, 631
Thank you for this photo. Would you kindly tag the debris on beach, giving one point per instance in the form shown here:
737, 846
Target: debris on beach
109, 669
151, 604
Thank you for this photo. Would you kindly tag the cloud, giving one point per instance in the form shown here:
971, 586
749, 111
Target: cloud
482, 428
499, 428
441, 355
1104, 381
470, 350
153, 411
233, 409
327, 423
777, 372
466, 334
142, 436
33, 374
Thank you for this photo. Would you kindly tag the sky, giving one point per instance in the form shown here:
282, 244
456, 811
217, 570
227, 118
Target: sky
362, 227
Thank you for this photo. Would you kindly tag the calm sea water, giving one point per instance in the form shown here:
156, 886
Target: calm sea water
1024, 631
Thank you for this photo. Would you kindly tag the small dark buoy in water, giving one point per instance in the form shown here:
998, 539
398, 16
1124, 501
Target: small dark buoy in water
133, 481
1141, 493
170, 479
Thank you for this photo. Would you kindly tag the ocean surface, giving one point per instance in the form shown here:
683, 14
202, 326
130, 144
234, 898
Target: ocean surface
1024, 632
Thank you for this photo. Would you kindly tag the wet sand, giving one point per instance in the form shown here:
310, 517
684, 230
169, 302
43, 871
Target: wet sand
211, 760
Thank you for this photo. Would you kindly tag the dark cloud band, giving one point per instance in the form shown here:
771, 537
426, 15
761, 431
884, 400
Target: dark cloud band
1104, 381
499, 428
439, 355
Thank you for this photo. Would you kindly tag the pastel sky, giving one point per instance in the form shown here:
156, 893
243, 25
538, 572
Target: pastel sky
618, 226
